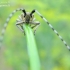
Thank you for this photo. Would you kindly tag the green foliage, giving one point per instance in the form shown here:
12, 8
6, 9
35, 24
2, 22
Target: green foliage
32, 49
53, 54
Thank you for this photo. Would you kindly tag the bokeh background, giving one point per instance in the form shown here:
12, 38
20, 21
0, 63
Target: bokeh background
52, 52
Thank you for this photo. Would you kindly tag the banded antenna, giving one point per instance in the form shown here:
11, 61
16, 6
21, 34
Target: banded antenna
6, 24
53, 29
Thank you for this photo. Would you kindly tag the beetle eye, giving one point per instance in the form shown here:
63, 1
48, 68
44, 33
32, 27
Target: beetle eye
31, 16
24, 15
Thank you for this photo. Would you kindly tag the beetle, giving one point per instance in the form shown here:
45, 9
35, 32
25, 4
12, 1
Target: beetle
28, 18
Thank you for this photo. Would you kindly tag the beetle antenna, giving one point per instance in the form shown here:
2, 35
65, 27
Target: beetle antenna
24, 12
33, 11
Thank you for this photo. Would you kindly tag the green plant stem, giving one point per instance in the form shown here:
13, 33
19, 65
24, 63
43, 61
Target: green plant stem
32, 48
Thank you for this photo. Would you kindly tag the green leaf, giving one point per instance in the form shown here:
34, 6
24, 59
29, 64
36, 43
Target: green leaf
32, 48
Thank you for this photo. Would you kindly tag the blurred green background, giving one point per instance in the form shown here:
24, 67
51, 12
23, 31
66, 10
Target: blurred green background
52, 52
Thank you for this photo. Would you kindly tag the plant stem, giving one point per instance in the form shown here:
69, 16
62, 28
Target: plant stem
32, 48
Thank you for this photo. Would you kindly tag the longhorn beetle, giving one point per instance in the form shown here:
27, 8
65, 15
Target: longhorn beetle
28, 18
